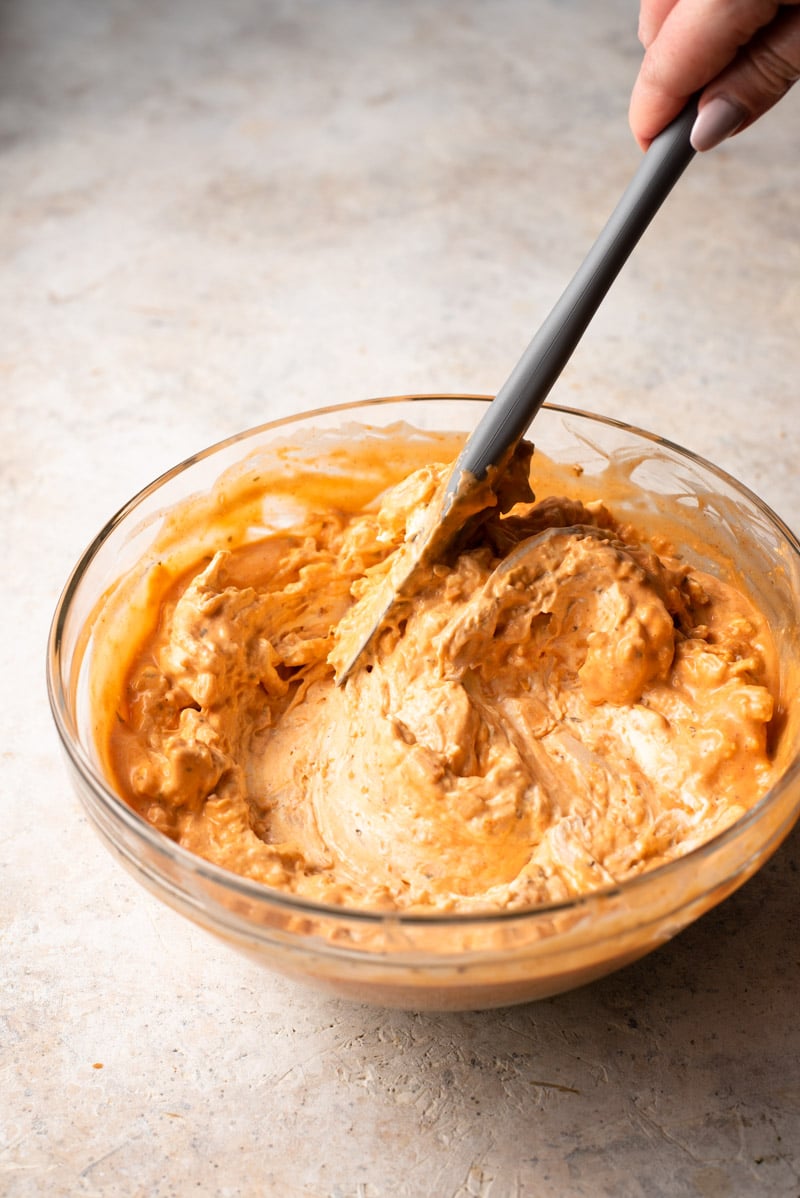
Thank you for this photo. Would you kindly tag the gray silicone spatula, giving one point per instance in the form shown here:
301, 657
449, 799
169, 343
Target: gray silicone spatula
491, 445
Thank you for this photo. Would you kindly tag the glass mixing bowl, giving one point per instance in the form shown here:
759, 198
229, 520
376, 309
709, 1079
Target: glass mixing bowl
463, 961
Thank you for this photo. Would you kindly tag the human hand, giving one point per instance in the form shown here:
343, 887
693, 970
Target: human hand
742, 56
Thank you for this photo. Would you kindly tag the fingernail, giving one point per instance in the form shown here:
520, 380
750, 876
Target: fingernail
715, 121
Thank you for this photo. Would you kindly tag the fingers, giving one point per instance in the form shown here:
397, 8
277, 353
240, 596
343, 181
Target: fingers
652, 15
758, 77
695, 42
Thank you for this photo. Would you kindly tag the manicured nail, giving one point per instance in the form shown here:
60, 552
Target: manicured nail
715, 121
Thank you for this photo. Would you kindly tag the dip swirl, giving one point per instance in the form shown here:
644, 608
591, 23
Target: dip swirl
560, 705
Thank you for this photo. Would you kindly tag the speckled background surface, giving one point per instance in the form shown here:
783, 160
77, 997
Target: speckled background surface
211, 215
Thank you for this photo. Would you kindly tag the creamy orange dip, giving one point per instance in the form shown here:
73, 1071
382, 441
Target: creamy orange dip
562, 704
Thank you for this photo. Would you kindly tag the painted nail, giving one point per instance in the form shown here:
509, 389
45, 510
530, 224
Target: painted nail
715, 121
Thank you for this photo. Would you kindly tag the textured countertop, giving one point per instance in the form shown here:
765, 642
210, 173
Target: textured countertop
214, 214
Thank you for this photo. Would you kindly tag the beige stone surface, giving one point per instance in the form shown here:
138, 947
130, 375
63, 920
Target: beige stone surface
214, 214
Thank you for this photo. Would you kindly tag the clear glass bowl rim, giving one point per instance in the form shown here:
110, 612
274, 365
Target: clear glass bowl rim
258, 892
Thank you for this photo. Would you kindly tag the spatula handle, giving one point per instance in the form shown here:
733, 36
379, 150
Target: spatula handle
508, 416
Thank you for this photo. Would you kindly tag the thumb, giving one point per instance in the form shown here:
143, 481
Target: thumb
759, 76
